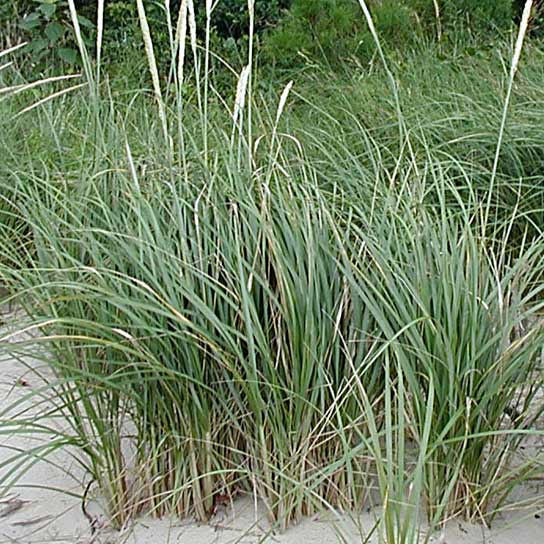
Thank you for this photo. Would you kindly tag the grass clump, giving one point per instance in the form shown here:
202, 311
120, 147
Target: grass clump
291, 301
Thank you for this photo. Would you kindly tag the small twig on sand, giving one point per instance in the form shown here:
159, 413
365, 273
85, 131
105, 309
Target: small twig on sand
27, 522
11, 506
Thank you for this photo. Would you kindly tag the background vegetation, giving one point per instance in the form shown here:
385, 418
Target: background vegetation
290, 31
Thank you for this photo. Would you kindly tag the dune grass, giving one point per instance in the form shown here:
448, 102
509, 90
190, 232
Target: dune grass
325, 303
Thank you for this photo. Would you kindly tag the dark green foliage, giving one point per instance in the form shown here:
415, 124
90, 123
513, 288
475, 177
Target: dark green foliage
292, 31
536, 25
478, 16
336, 29
46, 25
230, 18
314, 27
333, 29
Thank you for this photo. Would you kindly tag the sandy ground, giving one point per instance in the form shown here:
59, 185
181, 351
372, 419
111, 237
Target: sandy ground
45, 504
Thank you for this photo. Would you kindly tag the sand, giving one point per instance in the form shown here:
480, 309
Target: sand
45, 504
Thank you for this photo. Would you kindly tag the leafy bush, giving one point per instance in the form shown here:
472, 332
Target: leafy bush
335, 29
294, 29
477, 16
536, 25
46, 25
230, 18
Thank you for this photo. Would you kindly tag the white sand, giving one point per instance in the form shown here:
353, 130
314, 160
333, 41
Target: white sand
40, 509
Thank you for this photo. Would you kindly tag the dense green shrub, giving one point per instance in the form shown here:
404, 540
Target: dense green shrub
293, 29
490, 12
477, 16
230, 18
46, 25
337, 29
536, 25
